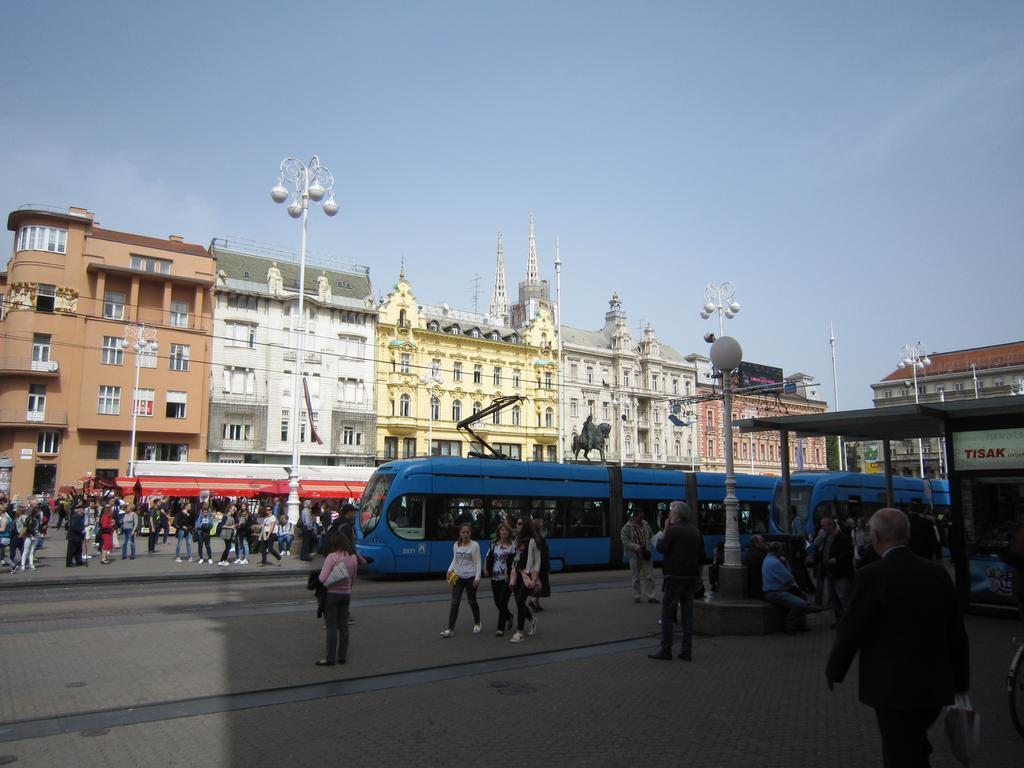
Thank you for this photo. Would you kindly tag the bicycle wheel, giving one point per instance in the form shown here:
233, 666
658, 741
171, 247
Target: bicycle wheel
1015, 689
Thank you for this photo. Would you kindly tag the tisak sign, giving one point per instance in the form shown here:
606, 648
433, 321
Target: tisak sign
989, 449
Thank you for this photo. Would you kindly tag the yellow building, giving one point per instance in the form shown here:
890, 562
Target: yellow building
437, 365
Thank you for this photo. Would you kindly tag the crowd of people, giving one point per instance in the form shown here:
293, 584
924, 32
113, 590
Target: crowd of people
101, 526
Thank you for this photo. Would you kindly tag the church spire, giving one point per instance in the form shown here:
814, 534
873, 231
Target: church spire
499, 299
532, 275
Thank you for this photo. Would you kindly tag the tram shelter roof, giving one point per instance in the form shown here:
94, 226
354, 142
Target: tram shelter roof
898, 422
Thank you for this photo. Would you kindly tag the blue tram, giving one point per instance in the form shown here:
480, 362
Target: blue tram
411, 509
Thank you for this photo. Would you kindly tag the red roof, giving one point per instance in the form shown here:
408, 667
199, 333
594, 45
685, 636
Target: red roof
997, 356
150, 242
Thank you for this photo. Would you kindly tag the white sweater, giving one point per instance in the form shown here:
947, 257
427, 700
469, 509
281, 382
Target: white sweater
466, 560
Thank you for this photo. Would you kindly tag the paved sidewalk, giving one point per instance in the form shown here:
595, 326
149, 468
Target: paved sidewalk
51, 571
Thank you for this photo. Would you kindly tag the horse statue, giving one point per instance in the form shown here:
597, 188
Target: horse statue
593, 441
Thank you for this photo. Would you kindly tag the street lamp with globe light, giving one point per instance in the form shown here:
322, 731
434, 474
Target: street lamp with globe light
915, 356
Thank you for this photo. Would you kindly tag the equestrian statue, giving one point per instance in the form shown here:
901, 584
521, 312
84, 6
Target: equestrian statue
592, 437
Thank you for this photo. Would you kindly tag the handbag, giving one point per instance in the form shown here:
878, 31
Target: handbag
529, 583
453, 578
228, 534
338, 573
963, 728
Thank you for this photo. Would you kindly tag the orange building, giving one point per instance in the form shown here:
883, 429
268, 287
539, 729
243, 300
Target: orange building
72, 293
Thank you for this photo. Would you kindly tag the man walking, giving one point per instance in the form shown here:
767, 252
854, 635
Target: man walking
308, 532
836, 566
76, 535
905, 622
682, 548
636, 540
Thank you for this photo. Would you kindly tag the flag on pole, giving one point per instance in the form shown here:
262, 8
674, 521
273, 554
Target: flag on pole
309, 413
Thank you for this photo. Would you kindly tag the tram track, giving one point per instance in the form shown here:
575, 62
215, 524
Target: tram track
102, 719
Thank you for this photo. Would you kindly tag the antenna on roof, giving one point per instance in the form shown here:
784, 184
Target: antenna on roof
476, 291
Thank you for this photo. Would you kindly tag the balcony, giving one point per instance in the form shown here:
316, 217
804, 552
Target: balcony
23, 366
15, 417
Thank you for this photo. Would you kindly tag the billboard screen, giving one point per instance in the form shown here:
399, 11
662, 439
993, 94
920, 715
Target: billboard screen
763, 376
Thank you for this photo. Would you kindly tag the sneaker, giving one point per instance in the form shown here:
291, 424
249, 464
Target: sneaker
15, 569
532, 629
446, 633
31, 567
223, 563
245, 561
237, 560
177, 559
209, 562
517, 638
476, 627
500, 633
351, 620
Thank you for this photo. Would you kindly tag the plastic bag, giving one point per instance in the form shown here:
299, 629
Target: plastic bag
963, 728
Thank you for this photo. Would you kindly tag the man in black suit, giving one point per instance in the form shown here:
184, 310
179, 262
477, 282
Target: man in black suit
905, 621
837, 566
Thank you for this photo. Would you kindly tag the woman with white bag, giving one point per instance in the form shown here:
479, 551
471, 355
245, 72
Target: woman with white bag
337, 576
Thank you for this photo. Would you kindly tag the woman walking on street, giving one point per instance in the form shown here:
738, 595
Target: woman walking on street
28, 530
524, 575
204, 524
243, 531
496, 568
108, 522
545, 564
337, 575
464, 576
129, 527
184, 523
268, 535
228, 529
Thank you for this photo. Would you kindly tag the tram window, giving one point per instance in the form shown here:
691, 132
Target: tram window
407, 516
458, 511
753, 517
551, 513
507, 509
712, 518
373, 501
587, 519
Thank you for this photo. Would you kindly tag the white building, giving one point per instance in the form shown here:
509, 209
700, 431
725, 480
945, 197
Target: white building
254, 354
632, 386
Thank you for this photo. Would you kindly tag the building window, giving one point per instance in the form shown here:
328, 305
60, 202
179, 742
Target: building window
144, 402
404, 362
590, 374
408, 447
353, 347
108, 450
549, 417
552, 453
435, 369
109, 401
36, 402
457, 410
46, 297
150, 264
41, 351
240, 334
112, 354
236, 431
239, 381
512, 450
390, 447
113, 305
285, 419
516, 378
43, 239
179, 313
590, 408
405, 405
179, 357
574, 408
457, 371
446, 448
625, 378
573, 372
236, 301
547, 379
517, 415
604, 411
435, 408
654, 382
497, 376
629, 446
48, 441
162, 452
476, 407
538, 453
352, 390
350, 437
711, 446
496, 417
177, 403
478, 374
675, 386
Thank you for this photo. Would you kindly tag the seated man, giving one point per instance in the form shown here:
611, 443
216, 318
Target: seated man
753, 559
777, 582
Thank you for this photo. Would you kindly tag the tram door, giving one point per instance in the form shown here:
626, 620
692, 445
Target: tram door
407, 517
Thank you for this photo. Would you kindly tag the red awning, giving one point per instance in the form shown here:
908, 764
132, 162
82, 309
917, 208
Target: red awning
330, 489
159, 486
194, 486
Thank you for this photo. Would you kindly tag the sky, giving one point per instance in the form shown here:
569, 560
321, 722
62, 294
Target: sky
858, 164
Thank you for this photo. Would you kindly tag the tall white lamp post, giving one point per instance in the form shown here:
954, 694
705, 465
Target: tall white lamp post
916, 357
435, 379
726, 355
558, 370
143, 341
308, 181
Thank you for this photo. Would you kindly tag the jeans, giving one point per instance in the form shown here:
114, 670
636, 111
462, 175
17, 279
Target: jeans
28, 549
4, 559
127, 536
470, 589
241, 547
204, 541
336, 618
165, 528
795, 608
501, 592
523, 614
284, 542
677, 592
185, 536
153, 533
839, 594
642, 573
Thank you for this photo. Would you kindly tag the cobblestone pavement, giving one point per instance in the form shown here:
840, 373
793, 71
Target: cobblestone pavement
750, 701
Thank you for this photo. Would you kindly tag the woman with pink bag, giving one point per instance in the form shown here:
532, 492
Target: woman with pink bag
525, 578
